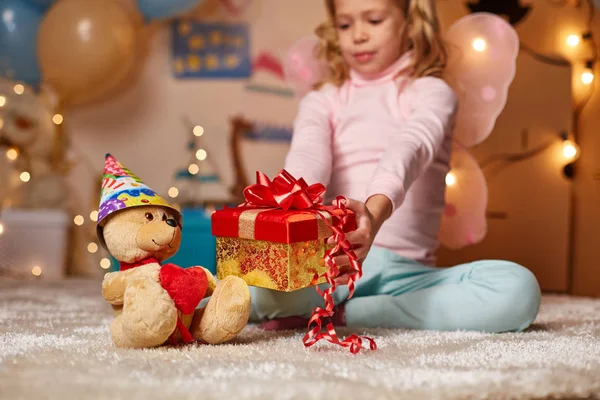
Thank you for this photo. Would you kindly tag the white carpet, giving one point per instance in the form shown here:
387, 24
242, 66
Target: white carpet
55, 345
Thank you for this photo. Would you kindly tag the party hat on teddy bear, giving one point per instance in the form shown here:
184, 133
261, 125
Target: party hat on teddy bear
122, 189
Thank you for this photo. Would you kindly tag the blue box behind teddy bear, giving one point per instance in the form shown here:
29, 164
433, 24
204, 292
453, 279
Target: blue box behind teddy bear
198, 245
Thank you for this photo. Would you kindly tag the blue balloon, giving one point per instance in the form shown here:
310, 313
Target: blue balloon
162, 9
19, 24
42, 4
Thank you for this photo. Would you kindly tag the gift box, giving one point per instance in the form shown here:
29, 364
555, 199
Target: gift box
278, 238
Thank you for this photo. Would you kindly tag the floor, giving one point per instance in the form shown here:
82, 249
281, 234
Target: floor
55, 344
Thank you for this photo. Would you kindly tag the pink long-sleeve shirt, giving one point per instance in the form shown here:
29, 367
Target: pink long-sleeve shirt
383, 135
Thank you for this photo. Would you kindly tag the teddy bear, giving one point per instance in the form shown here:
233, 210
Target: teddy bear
156, 303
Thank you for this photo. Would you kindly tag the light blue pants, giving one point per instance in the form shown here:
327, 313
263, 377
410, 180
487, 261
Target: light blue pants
395, 292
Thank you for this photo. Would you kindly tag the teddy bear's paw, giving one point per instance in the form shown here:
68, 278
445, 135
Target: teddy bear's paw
226, 313
149, 315
212, 282
120, 338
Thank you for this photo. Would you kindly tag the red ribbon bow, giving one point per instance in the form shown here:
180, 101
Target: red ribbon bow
287, 192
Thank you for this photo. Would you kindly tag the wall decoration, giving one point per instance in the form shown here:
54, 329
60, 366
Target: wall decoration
269, 131
199, 170
210, 50
270, 64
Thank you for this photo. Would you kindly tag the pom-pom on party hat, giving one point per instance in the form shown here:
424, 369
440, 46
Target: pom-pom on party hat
122, 189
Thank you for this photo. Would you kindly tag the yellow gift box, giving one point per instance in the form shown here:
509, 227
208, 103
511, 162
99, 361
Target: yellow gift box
273, 248
278, 238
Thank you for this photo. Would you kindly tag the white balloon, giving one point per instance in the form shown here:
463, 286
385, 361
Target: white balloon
481, 67
464, 221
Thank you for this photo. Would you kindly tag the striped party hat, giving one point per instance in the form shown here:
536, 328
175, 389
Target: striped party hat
123, 189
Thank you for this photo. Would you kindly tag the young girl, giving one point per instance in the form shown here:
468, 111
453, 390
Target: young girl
379, 132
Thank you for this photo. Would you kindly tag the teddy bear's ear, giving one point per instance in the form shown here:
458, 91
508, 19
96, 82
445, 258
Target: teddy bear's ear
100, 235
100, 231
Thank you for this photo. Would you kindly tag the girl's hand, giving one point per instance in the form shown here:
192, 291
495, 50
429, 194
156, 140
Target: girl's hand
369, 218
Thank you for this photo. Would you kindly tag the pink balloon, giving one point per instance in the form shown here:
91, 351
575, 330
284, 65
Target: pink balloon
301, 68
481, 67
464, 220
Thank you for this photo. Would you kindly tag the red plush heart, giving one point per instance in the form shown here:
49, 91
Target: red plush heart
186, 287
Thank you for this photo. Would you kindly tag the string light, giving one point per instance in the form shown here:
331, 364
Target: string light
105, 263
12, 154
19, 89
57, 119
2, 101
570, 149
173, 192
94, 215
79, 220
201, 154
198, 130
573, 40
36, 271
450, 179
92, 247
1, 229
587, 77
25, 176
194, 169
479, 44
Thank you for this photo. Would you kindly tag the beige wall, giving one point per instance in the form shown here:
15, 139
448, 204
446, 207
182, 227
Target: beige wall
141, 126
533, 194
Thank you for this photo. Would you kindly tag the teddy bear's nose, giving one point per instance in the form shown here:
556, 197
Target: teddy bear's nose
171, 222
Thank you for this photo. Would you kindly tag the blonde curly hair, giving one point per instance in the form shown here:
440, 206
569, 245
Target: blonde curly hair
421, 35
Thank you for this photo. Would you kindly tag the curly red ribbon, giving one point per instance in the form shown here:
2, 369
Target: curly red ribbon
354, 342
287, 192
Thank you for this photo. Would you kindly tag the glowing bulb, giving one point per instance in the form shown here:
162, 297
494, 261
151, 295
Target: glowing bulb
450, 179
198, 130
1, 229
587, 77
25, 176
79, 220
19, 89
92, 247
12, 154
105, 263
2, 101
570, 150
194, 169
36, 271
573, 40
173, 192
479, 44
94, 215
201, 154
57, 119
